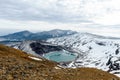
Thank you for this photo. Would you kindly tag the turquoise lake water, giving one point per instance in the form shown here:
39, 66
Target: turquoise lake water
60, 56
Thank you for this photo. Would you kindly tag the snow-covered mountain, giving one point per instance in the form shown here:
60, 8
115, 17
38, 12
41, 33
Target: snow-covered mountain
94, 51
27, 35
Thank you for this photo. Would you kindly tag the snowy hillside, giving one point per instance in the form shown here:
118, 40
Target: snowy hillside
36, 48
94, 51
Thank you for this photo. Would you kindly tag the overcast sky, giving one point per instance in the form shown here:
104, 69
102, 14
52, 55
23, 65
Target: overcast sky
95, 16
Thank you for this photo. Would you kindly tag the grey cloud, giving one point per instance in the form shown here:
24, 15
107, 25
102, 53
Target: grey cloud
21, 10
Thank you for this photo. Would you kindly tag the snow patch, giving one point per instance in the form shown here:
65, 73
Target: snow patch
57, 67
35, 58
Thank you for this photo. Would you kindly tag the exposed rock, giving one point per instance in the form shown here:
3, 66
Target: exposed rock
41, 48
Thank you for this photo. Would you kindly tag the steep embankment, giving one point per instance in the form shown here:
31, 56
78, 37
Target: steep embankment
15, 64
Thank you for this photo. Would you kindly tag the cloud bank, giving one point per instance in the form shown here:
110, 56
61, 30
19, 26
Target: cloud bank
82, 15
60, 10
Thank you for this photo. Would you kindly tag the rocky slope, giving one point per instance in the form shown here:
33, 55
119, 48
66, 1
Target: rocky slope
15, 64
94, 51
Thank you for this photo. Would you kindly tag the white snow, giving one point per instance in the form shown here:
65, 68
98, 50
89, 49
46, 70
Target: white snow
57, 67
35, 58
116, 71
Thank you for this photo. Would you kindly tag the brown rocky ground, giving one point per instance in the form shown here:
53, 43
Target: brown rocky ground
16, 65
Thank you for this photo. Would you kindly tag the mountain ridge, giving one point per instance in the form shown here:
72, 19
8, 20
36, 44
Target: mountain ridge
27, 35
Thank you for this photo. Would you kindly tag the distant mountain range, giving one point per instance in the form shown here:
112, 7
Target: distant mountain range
27, 35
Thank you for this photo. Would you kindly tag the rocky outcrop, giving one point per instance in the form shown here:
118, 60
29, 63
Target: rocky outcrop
39, 48
114, 63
